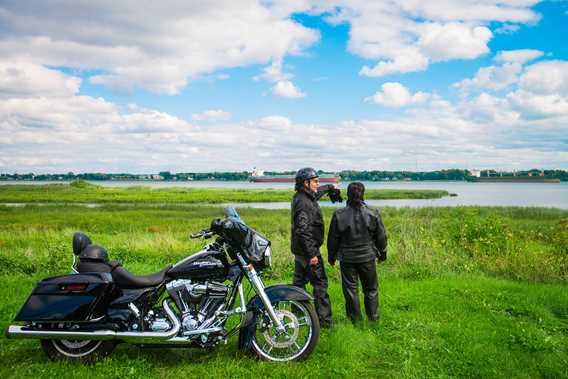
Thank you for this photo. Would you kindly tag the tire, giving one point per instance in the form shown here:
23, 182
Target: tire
302, 332
86, 351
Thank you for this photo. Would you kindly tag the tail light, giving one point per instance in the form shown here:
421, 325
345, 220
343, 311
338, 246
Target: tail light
74, 287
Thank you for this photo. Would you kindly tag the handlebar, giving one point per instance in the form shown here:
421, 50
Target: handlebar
204, 233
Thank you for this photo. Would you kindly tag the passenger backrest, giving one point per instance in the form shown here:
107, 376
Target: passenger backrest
80, 242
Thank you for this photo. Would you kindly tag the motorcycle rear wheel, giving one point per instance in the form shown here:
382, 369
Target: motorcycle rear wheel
299, 339
85, 351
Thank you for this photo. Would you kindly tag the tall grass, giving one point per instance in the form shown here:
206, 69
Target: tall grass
465, 292
523, 244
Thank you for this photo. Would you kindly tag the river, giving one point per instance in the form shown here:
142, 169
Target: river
483, 194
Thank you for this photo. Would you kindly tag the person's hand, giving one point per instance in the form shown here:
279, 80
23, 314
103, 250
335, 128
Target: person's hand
314, 261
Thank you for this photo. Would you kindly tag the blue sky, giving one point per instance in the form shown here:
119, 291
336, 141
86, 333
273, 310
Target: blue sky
231, 85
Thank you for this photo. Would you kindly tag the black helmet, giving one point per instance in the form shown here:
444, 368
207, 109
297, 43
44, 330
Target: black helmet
306, 173
94, 253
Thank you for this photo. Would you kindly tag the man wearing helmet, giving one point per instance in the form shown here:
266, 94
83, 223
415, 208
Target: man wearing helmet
307, 236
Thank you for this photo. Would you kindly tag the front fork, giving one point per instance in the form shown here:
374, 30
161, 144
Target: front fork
259, 289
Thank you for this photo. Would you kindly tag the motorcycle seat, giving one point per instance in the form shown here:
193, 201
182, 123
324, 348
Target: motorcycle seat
126, 280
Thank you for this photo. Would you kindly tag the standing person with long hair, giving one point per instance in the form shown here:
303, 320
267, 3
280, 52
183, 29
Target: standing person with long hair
357, 238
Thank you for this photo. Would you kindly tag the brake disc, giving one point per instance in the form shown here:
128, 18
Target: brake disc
284, 340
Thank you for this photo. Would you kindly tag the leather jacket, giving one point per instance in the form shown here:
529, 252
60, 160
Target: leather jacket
356, 235
307, 229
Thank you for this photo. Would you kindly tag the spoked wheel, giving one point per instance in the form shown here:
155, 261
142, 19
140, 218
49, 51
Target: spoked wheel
83, 351
296, 342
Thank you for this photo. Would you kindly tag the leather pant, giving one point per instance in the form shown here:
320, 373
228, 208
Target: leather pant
315, 275
350, 275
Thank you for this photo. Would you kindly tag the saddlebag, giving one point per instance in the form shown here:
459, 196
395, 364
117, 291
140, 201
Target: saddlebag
78, 297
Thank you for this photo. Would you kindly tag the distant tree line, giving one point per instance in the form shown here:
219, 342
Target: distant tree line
346, 175
403, 175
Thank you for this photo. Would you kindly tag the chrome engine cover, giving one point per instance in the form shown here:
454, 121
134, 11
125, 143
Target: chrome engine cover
197, 302
160, 325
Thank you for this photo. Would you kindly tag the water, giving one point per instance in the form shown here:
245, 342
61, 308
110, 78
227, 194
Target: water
482, 194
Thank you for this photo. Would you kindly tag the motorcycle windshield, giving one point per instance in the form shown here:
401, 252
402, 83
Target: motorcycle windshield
231, 212
248, 241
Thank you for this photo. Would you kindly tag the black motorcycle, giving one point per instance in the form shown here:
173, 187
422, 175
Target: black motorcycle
84, 315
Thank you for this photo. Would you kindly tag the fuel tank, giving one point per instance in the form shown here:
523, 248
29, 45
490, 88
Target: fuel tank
204, 265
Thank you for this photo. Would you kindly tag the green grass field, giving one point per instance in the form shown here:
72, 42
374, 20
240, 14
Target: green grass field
84, 192
465, 292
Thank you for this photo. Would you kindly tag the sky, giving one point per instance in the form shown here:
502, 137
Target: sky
227, 85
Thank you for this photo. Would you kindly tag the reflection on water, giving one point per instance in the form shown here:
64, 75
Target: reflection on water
483, 194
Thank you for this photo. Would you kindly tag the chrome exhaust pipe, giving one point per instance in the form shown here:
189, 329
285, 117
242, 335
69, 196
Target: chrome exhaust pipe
18, 332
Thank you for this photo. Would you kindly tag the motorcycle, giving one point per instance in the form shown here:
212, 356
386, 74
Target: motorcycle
83, 315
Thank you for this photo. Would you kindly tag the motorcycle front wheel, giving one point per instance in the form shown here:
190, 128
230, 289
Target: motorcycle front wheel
296, 342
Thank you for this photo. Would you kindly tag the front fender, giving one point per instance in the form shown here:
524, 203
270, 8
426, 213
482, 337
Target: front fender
275, 293
280, 292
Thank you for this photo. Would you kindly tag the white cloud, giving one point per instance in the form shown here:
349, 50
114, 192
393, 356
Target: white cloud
487, 108
507, 29
163, 48
157, 47
496, 78
442, 42
24, 79
46, 125
283, 86
547, 77
57, 135
407, 36
275, 121
273, 72
538, 106
492, 77
518, 56
411, 61
286, 88
212, 115
396, 95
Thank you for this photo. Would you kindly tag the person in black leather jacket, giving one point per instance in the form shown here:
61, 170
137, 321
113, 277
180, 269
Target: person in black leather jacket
357, 238
307, 235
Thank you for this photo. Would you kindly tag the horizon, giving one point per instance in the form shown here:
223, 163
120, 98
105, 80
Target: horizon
224, 86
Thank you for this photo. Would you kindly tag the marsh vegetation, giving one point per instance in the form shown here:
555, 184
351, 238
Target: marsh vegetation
466, 291
84, 192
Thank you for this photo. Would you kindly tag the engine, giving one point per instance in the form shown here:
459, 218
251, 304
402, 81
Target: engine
197, 302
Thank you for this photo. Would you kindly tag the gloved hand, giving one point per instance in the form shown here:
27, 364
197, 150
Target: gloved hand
382, 256
331, 190
216, 225
335, 195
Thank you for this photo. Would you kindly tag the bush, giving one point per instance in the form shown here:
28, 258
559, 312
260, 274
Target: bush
82, 184
477, 235
560, 236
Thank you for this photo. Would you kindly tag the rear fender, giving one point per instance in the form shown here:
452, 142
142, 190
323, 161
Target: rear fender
275, 293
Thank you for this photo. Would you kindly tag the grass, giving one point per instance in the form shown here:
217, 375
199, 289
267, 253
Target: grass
83, 192
465, 292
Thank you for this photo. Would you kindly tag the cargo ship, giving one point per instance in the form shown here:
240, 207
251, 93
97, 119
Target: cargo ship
258, 176
529, 177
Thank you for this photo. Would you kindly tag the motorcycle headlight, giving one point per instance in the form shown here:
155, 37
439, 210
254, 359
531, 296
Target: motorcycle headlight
268, 257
